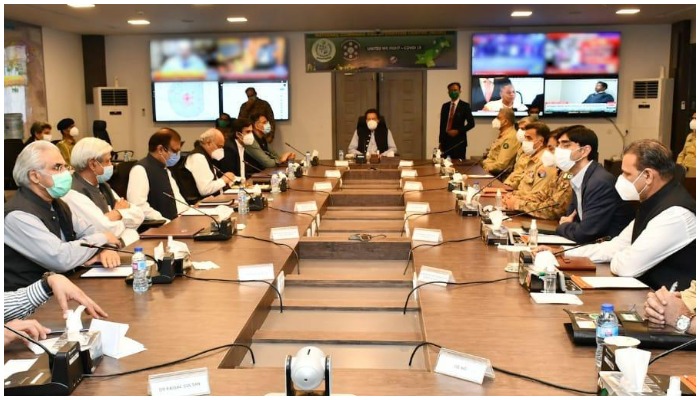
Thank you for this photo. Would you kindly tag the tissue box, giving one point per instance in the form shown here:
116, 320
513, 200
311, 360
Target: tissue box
609, 385
608, 363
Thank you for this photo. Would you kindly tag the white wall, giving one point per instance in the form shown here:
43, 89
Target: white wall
65, 81
645, 49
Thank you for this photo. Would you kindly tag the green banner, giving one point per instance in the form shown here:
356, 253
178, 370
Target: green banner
367, 51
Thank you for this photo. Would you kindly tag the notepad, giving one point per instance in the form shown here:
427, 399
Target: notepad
556, 298
99, 272
608, 282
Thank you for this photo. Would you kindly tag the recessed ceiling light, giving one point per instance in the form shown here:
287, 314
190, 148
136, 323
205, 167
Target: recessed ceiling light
521, 13
627, 11
237, 19
81, 5
139, 22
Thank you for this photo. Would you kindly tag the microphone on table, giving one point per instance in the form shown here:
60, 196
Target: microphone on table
65, 371
295, 149
168, 267
219, 231
256, 168
599, 240
222, 173
453, 147
532, 211
493, 180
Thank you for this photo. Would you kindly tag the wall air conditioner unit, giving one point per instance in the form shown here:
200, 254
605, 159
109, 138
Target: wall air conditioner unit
112, 106
650, 113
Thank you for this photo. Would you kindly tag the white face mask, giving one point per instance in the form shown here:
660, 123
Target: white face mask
563, 159
74, 131
47, 137
547, 158
217, 154
248, 139
692, 124
496, 123
520, 135
528, 147
267, 128
372, 124
627, 190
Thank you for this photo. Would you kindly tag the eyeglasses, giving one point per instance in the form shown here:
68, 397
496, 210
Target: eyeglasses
59, 167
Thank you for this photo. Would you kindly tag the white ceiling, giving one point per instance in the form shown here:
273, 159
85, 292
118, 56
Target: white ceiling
185, 18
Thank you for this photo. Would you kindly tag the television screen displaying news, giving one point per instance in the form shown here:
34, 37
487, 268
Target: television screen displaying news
510, 54
520, 93
585, 97
596, 53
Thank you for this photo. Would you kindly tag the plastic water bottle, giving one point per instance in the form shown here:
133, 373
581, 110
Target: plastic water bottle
140, 271
341, 155
476, 186
532, 235
275, 183
290, 170
605, 326
499, 200
242, 201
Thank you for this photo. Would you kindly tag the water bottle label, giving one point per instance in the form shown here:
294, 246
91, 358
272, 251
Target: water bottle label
139, 265
606, 331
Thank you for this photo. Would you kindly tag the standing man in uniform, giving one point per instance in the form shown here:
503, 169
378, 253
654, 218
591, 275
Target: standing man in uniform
455, 121
254, 106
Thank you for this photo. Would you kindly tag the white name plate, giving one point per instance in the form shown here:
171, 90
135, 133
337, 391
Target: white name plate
262, 272
323, 187
332, 173
415, 283
412, 186
344, 163
415, 207
430, 274
305, 206
284, 233
463, 366
409, 173
280, 282
405, 163
193, 382
406, 229
427, 235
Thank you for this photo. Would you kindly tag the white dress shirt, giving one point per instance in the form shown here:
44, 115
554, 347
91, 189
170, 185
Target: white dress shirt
576, 184
206, 181
665, 234
86, 209
27, 235
496, 105
372, 147
137, 193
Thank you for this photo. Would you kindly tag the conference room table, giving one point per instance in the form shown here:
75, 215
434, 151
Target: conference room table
497, 321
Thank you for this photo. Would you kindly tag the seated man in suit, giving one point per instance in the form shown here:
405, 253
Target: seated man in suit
372, 136
92, 199
658, 246
676, 309
151, 185
24, 301
599, 96
263, 156
200, 163
456, 120
501, 155
596, 209
39, 131
508, 99
41, 233
235, 157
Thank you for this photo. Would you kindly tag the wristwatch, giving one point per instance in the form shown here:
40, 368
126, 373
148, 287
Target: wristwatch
683, 323
45, 283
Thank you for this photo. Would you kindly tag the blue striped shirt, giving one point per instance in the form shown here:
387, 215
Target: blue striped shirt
24, 301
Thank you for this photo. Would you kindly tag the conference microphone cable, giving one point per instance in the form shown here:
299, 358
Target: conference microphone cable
408, 297
507, 372
403, 194
667, 352
279, 295
410, 252
313, 217
169, 363
418, 215
278, 244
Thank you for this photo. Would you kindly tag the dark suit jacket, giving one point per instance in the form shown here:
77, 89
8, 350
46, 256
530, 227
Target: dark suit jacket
232, 161
604, 212
462, 121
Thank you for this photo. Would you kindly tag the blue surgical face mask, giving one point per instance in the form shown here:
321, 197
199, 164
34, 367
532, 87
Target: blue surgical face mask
106, 175
62, 183
173, 159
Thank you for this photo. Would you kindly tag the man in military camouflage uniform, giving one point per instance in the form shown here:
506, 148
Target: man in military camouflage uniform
687, 156
521, 159
505, 147
556, 196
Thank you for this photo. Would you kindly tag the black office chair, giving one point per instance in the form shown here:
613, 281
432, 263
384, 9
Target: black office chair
185, 180
120, 179
12, 149
99, 130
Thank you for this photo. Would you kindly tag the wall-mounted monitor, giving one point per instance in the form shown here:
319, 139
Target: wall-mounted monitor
185, 101
276, 93
519, 92
512, 54
581, 97
596, 53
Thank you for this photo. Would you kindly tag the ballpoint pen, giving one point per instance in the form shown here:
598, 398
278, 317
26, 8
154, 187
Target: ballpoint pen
674, 287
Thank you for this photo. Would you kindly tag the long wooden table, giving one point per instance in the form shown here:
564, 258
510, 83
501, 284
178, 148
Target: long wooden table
497, 321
